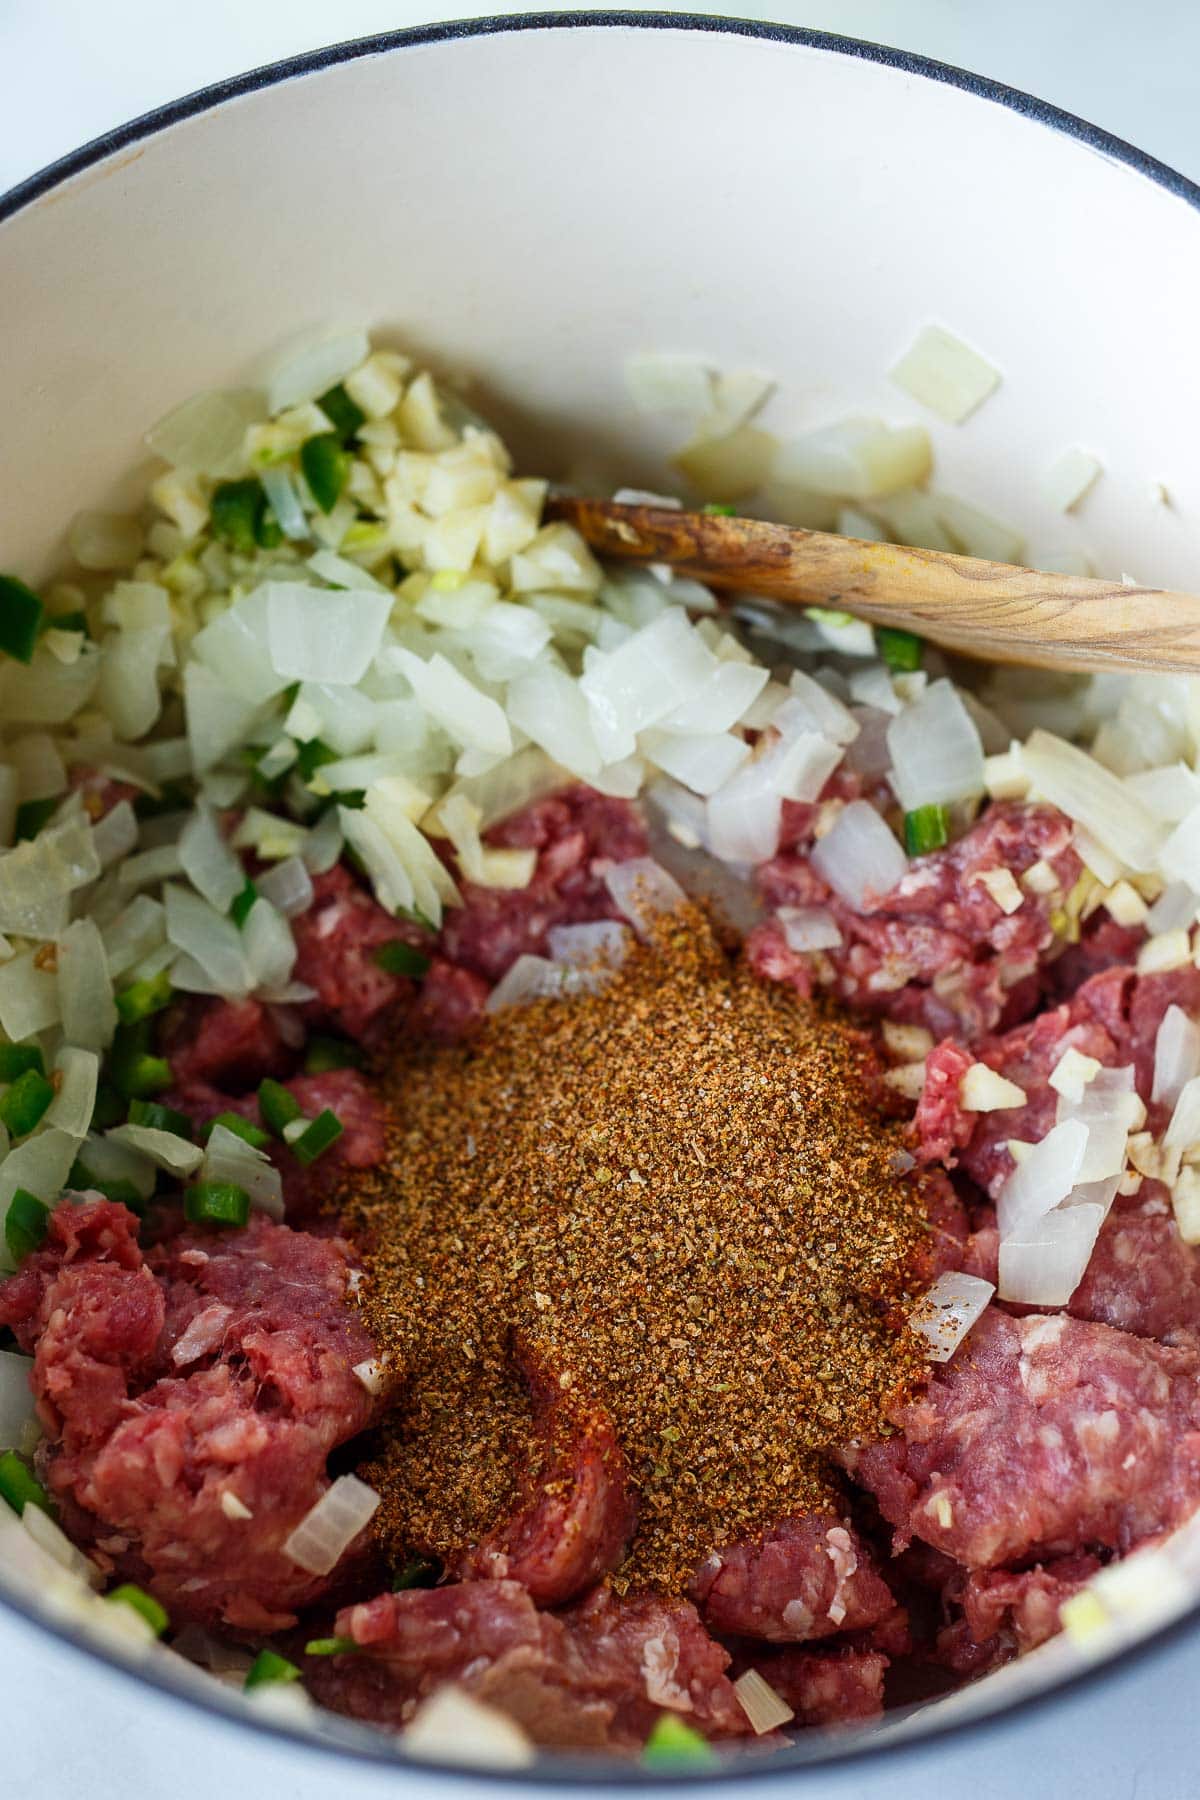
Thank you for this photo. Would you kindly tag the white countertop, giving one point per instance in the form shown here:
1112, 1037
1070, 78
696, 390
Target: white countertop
71, 69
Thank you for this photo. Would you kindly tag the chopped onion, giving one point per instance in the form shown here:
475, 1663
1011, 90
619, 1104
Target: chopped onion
218, 718
389, 877
288, 887
658, 669
41, 1164
269, 835
72, 1106
1184, 1127
699, 761
54, 1541
859, 857
730, 692
269, 947
16, 1398
583, 946
207, 433
283, 498
323, 634
39, 767
730, 466
641, 889
28, 998
808, 928
1072, 1073
1179, 857
466, 714
812, 707
937, 756
1068, 479
227, 1157
115, 835
1045, 1264
1093, 797
208, 862
529, 978
100, 540
214, 942
549, 707
236, 647
314, 364
983, 1090
513, 784
945, 375
911, 518
977, 533
85, 990
339, 571
451, 1726
48, 692
948, 1310
177, 1155
1176, 1055
332, 1525
38, 877
765, 1709
1043, 1179
323, 845
667, 383
106, 1160
744, 815
387, 807
1170, 793
856, 459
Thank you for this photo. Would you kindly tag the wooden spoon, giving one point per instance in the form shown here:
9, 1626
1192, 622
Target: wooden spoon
982, 608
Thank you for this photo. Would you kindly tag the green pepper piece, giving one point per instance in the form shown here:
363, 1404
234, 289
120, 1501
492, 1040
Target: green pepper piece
216, 1203
926, 828
325, 1130
343, 413
23, 1103
25, 1224
399, 958
21, 614
155, 1615
20, 1486
900, 650
326, 467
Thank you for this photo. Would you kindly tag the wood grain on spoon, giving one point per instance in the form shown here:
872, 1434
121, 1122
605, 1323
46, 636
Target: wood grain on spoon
982, 608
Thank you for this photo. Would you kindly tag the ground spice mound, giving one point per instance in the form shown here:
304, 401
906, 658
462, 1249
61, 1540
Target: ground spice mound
674, 1194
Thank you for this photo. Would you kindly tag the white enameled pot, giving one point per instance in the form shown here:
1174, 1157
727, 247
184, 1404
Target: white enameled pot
528, 200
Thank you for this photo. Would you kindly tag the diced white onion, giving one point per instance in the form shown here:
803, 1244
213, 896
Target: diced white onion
37, 877
339, 571
469, 716
115, 835
945, 375
1043, 1179
701, 762
1072, 1073
936, 753
323, 634
268, 946
859, 857
856, 459
85, 990
213, 941
1044, 1264
41, 1164
451, 1726
550, 708
217, 717
1184, 1127
164, 1148
51, 1538
529, 978
977, 533
106, 1160
269, 835
331, 1526
288, 887
658, 669
1088, 793
659, 382
983, 1090
765, 1709
809, 928
227, 1157
1068, 479
389, 877
641, 889
28, 997
207, 432
16, 1398
312, 366
72, 1106
100, 540
948, 1310
284, 500
208, 862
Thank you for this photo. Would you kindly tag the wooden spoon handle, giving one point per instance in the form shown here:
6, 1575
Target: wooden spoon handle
981, 608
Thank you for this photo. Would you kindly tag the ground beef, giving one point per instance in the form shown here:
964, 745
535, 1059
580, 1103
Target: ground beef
596, 1676
828, 1687
337, 940
1004, 1613
228, 1044
808, 1577
1043, 1436
938, 950
576, 1510
214, 1371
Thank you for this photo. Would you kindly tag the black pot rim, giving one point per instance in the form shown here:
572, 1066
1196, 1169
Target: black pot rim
364, 1746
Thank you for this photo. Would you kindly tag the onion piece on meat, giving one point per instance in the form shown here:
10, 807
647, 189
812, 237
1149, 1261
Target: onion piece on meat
948, 1310
116, 834
288, 886
529, 978
1176, 1055
85, 990
453, 1727
937, 756
859, 857
1044, 1178
167, 1149
16, 1398
227, 1157
807, 928
1095, 798
72, 1106
641, 888
765, 1709
1045, 1262
329, 1527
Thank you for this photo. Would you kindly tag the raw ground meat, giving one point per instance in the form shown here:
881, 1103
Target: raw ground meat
596, 1676
1042, 1436
229, 1044
938, 950
1005, 1613
808, 1577
828, 1687
216, 1369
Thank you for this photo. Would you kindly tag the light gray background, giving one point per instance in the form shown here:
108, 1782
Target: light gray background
70, 69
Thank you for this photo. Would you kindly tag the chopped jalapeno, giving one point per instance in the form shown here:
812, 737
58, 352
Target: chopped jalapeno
324, 1053
120, 1190
22, 1104
330, 1646
20, 1486
417, 1572
326, 467
154, 1614
925, 829
234, 512
160, 1118
249, 1134
343, 413
144, 998
109, 1108
399, 958
135, 1071
21, 614
900, 650
311, 757
674, 1745
239, 912
15, 1059
269, 1666
25, 1224
720, 509
31, 816
67, 621
216, 1203
316, 1138
277, 1106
